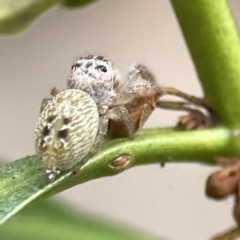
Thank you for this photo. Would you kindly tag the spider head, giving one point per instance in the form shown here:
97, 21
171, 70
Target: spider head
94, 75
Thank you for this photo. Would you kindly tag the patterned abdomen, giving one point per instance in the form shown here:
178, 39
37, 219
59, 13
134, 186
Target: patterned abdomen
66, 130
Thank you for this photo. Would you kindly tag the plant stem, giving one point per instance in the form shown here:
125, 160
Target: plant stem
22, 181
213, 41
166, 147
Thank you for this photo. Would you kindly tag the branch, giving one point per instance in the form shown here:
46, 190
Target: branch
213, 41
22, 181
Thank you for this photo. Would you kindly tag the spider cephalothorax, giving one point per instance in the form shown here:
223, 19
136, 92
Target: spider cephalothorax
96, 76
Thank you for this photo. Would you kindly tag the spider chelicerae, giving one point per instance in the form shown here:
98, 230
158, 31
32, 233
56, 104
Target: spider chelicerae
73, 123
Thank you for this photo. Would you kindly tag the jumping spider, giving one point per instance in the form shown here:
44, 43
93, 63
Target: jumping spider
128, 105
62, 124
96, 76
122, 108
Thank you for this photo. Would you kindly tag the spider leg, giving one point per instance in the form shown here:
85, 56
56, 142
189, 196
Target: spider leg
55, 91
189, 98
128, 120
44, 103
146, 112
176, 105
199, 102
121, 113
195, 118
136, 99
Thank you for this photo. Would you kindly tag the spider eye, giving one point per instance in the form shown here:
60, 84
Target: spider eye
102, 68
76, 65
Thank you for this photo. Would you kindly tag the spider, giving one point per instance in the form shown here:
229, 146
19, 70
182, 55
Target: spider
94, 90
96, 76
129, 104
61, 136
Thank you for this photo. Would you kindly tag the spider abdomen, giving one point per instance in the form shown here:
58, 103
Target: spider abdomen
66, 130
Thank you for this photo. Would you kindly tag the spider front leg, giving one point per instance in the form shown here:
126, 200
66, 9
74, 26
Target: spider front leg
121, 122
144, 111
133, 121
137, 96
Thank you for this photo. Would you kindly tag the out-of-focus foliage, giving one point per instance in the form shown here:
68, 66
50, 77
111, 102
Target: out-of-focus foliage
15, 15
50, 220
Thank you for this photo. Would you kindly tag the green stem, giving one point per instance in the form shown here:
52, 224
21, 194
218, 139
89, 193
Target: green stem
213, 41
23, 182
166, 147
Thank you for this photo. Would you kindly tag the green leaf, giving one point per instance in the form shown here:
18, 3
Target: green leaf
16, 15
77, 3
22, 182
50, 220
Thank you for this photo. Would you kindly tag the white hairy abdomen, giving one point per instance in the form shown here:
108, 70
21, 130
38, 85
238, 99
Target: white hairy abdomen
66, 129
